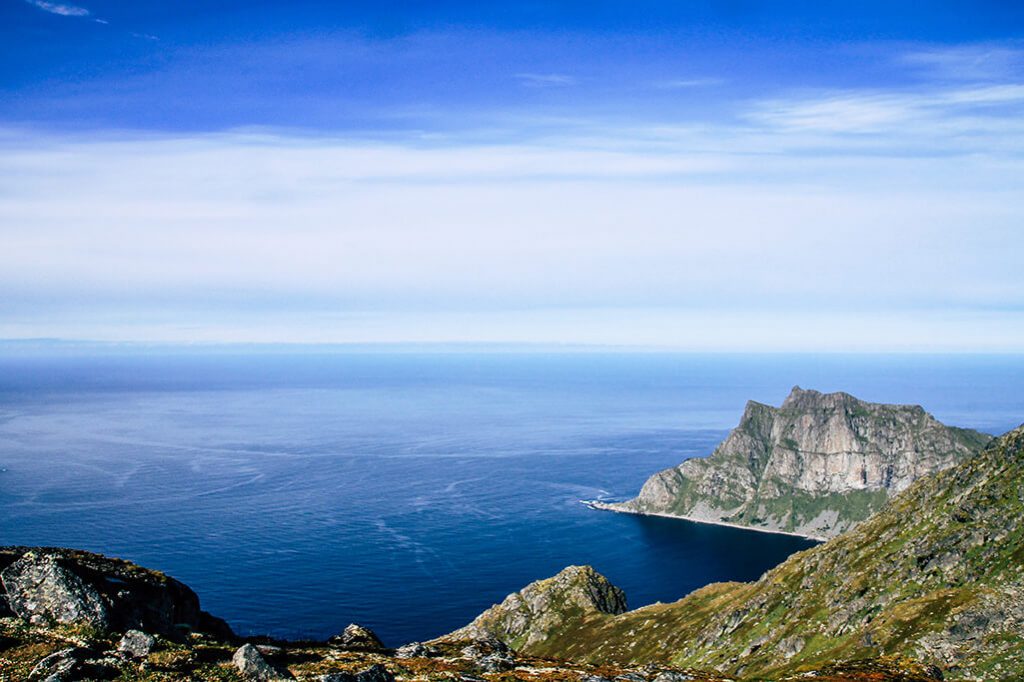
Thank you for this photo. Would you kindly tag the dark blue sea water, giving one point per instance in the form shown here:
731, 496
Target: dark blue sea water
300, 492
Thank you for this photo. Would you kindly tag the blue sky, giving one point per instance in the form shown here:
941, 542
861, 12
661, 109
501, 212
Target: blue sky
727, 175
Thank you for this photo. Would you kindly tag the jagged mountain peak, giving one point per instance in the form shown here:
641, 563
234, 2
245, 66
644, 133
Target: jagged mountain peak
815, 466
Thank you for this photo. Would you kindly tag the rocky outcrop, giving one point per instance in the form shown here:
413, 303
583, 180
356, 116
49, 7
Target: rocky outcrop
52, 586
42, 592
416, 650
253, 667
542, 607
937, 576
136, 644
357, 638
816, 466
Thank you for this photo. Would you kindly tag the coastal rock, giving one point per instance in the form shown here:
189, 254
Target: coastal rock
136, 644
530, 615
49, 586
44, 593
253, 667
357, 638
816, 466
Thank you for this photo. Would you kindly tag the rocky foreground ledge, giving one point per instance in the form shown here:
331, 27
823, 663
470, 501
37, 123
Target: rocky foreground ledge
69, 615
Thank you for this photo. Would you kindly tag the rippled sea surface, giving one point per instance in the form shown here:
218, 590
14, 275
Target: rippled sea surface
408, 491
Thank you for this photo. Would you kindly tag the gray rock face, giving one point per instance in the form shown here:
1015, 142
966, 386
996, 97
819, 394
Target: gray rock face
527, 616
357, 638
53, 586
136, 644
56, 667
44, 593
815, 466
375, 673
490, 655
416, 650
73, 664
252, 666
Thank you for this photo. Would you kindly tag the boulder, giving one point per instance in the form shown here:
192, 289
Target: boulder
50, 586
489, 654
375, 673
357, 638
252, 666
72, 665
58, 666
136, 644
44, 593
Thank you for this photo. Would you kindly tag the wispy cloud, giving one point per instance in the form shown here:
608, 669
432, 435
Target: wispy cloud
908, 113
545, 80
968, 63
683, 83
57, 8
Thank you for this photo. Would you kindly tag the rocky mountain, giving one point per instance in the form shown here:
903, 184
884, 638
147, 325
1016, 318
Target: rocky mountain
816, 466
529, 617
936, 575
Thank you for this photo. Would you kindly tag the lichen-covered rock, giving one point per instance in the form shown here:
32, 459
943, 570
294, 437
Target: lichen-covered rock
44, 593
60, 586
58, 666
530, 615
253, 667
489, 654
416, 650
136, 644
72, 664
816, 466
357, 638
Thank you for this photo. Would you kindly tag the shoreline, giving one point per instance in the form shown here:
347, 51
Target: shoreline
605, 506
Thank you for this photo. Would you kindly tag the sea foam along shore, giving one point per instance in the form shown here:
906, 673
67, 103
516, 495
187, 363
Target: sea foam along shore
605, 506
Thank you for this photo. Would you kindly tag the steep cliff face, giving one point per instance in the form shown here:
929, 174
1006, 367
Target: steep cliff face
937, 575
816, 466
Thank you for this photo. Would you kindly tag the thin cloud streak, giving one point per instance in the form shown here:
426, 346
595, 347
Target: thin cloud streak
545, 80
967, 62
62, 10
685, 83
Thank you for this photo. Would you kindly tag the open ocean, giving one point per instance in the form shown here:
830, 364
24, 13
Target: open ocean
299, 492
